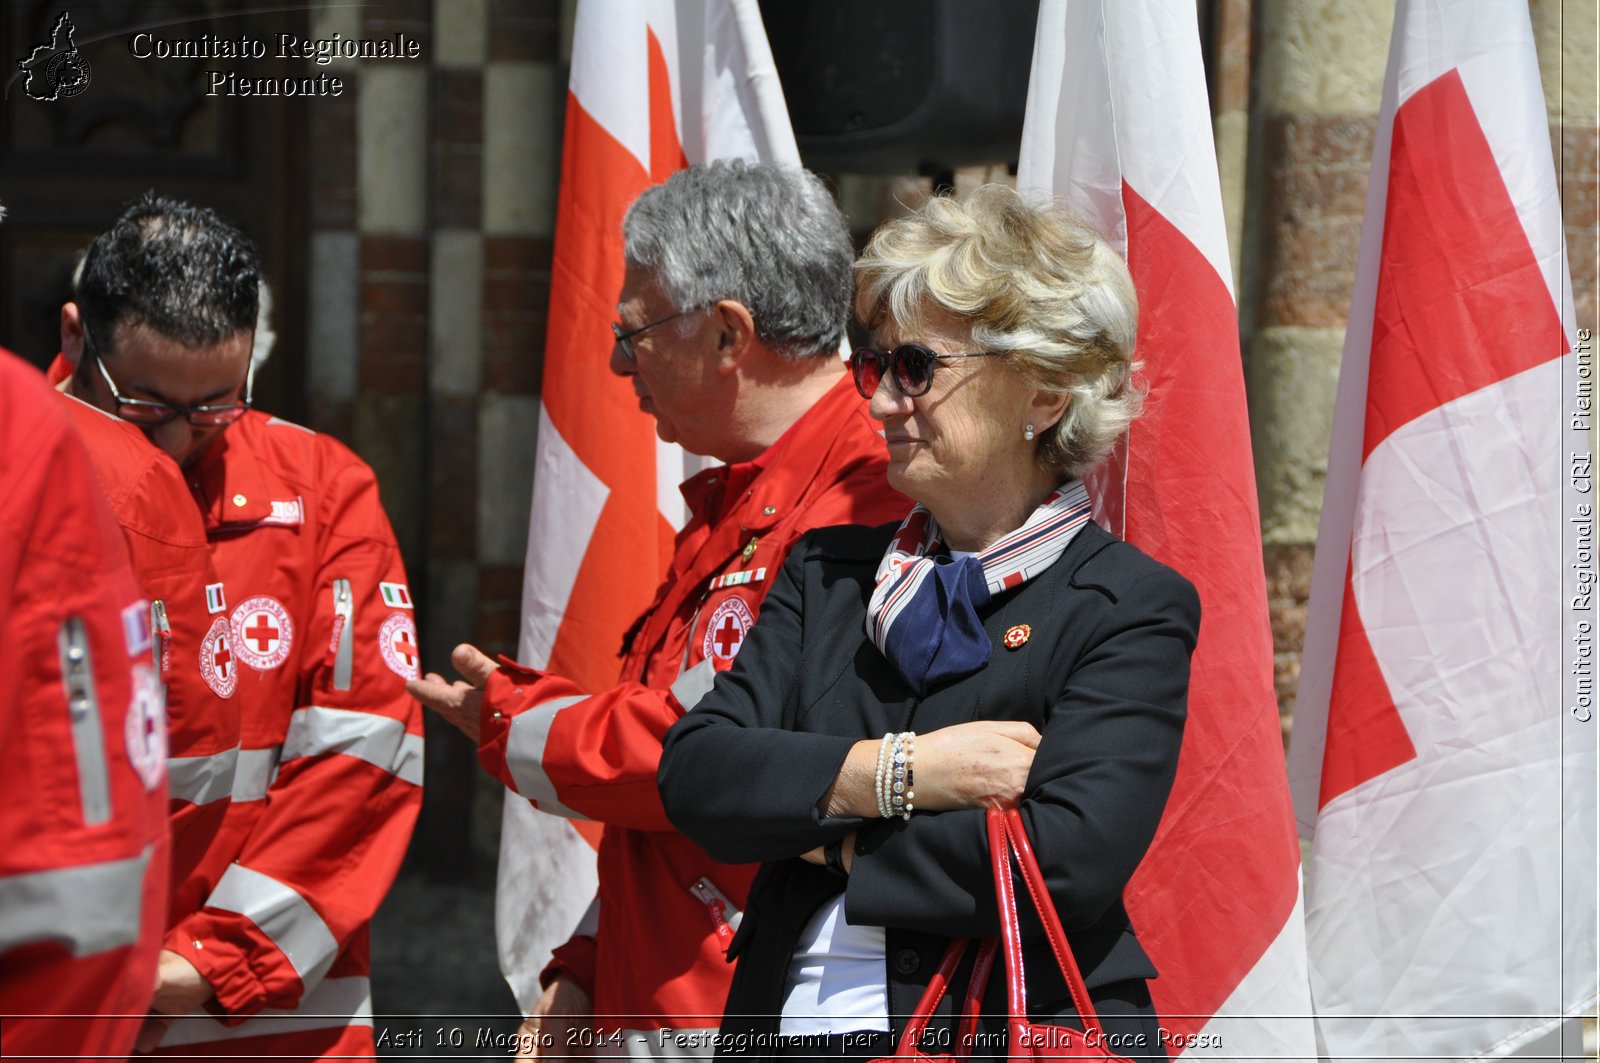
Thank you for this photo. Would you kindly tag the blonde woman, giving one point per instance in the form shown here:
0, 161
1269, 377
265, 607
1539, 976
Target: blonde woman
995, 648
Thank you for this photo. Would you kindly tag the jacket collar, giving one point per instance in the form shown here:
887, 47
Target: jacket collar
236, 487
764, 490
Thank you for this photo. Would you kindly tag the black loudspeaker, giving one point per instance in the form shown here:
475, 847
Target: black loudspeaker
900, 86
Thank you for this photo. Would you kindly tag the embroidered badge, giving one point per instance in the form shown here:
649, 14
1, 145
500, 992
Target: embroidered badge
397, 641
286, 511
725, 631
217, 664
395, 595
262, 632
144, 732
136, 627
1017, 636
216, 602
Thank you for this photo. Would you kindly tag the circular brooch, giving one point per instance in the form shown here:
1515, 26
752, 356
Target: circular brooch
1017, 637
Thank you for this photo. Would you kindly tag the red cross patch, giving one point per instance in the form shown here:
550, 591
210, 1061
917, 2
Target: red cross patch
144, 729
262, 632
725, 631
397, 641
218, 666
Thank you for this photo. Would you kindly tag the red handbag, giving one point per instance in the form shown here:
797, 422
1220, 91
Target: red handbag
1025, 1040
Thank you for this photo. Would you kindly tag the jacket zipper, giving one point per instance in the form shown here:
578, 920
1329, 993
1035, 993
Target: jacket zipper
342, 645
83, 710
161, 654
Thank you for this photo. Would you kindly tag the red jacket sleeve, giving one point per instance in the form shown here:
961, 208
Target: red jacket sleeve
573, 754
82, 820
596, 756
340, 812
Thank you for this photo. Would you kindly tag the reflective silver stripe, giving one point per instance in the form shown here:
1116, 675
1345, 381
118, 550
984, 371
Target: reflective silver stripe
255, 771
282, 914
692, 1043
83, 712
378, 740
344, 607
530, 733
331, 1003
91, 908
202, 780
694, 684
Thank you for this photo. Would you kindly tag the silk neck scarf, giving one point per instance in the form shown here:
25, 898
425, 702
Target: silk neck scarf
923, 615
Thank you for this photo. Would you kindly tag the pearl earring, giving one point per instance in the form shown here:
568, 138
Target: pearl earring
1027, 433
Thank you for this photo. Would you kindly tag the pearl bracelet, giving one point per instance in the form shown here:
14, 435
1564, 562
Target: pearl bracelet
893, 779
881, 776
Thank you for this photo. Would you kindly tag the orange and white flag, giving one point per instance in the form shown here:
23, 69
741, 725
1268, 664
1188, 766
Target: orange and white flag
1118, 128
1444, 752
656, 85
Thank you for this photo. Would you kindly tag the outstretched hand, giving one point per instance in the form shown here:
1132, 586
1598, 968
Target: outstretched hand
458, 702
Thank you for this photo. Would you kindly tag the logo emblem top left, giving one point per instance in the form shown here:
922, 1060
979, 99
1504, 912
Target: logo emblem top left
57, 70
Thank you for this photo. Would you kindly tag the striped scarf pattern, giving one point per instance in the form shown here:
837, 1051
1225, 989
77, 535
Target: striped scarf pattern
923, 613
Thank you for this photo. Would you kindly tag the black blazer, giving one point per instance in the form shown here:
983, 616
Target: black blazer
1103, 676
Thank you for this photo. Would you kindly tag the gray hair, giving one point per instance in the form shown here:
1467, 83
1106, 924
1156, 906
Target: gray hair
765, 235
1031, 280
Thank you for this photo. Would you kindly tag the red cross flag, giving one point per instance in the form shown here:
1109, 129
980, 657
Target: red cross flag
1118, 128
655, 85
1445, 743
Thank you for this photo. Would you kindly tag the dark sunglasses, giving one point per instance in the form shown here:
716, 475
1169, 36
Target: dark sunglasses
909, 365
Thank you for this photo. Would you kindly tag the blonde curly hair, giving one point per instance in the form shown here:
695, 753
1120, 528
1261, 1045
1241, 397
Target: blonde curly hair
1034, 281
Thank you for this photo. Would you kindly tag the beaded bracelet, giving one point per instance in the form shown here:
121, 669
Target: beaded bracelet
902, 756
893, 779
881, 776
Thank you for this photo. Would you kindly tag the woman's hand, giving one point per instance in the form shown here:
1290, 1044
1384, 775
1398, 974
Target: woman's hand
980, 764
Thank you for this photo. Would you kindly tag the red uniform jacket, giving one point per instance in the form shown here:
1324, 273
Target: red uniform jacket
659, 945
329, 778
83, 879
191, 645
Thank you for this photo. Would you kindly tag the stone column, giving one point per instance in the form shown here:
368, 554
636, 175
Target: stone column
1565, 33
1319, 86
524, 94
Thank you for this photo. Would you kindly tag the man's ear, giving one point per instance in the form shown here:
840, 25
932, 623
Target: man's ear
736, 330
72, 333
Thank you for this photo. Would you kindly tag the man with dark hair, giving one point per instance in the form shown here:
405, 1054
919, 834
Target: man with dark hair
329, 770
733, 308
191, 646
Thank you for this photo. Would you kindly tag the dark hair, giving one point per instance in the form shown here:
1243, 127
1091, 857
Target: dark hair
176, 268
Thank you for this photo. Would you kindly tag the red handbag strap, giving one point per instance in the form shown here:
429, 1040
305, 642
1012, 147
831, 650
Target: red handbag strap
966, 1035
1007, 838
911, 1036
1039, 893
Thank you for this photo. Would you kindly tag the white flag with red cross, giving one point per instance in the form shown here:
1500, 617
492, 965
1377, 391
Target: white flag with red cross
655, 85
1444, 745
1118, 128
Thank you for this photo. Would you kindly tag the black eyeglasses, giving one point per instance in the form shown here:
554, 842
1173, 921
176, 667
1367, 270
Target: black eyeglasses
625, 339
149, 414
909, 365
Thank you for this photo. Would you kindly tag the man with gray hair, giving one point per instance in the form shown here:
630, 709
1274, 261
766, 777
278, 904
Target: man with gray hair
733, 308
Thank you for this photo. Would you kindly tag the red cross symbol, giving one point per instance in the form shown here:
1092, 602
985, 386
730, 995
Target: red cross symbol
729, 635
405, 647
264, 635
221, 658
